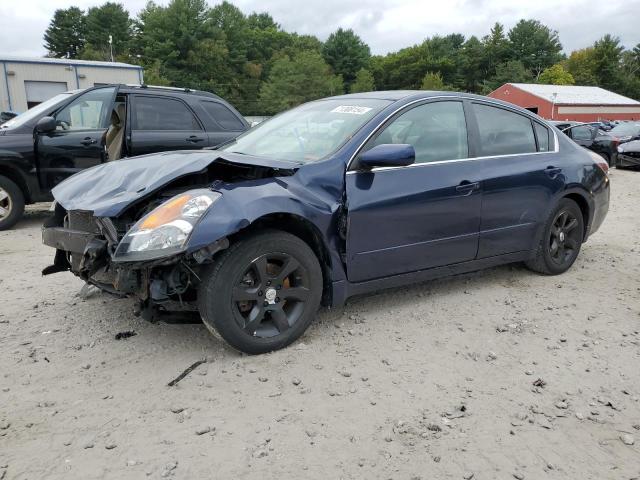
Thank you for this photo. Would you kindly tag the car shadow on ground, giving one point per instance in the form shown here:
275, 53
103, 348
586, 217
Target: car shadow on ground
191, 335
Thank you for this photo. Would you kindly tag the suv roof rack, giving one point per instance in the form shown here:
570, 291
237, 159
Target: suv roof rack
171, 89
160, 87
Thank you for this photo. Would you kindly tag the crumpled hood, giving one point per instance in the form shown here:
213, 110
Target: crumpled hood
108, 189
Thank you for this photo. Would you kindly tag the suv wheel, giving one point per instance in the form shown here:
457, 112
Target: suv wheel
11, 203
262, 293
561, 239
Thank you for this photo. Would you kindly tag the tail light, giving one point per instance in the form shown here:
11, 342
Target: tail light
615, 142
604, 166
599, 161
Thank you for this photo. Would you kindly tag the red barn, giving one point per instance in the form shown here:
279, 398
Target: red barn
568, 102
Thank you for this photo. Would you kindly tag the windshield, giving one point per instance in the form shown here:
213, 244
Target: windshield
309, 132
626, 129
32, 113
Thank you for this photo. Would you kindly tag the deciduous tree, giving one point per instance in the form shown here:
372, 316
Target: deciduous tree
556, 75
296, 80
363, 82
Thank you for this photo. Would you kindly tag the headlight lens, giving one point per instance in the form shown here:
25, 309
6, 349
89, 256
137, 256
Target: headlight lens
166, 229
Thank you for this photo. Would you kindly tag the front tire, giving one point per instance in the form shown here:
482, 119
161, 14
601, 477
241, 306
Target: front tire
11, 203
262, 293
561, 240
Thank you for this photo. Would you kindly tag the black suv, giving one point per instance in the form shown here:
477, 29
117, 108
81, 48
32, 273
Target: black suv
79, 129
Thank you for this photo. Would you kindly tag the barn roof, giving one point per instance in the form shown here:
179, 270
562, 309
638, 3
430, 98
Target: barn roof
66, 61
574, 95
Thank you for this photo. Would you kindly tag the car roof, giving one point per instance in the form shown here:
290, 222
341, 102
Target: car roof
398, 95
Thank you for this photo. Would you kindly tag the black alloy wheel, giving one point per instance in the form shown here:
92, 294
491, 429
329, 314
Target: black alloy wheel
560, 241
564, 238
261, 293
270, 295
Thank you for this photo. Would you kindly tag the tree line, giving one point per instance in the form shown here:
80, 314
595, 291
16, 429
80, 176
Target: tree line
251, 61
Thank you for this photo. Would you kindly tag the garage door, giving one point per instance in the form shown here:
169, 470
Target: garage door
38, 92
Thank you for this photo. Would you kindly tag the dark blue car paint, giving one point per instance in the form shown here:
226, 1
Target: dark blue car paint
404, 224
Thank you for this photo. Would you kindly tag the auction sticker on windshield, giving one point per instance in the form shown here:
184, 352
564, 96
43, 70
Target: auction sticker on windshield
351, 109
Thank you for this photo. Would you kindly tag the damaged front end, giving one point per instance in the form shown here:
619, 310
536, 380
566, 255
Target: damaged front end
142, 249
88, 247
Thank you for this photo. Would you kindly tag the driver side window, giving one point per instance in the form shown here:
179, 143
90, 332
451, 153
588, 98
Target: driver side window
87, 112
437, 131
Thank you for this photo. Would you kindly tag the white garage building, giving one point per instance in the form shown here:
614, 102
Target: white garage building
25, 82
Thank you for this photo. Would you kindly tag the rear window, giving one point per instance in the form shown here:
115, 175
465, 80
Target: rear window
157, 113
503, 132
221, 116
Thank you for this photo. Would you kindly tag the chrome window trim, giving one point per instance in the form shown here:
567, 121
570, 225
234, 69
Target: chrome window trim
556, 148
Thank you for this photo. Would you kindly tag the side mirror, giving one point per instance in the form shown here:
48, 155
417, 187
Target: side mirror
388, 155
46, 125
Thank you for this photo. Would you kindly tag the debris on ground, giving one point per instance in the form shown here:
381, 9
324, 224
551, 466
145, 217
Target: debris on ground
186, 372
125, 334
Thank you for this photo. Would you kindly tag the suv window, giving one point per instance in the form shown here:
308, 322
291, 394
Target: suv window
582, 132
437, 131
87, 112
221, 116
158, 113
503, 132
542, 133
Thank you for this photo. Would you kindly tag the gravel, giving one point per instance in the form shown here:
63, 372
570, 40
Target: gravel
414, 356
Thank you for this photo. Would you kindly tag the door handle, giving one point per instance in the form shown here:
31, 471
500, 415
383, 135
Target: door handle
467, 187
194, 139
88, 141
552, 171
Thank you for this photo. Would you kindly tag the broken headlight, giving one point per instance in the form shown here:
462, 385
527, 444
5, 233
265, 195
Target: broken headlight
165, 230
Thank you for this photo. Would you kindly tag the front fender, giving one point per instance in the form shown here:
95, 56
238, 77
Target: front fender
242, 204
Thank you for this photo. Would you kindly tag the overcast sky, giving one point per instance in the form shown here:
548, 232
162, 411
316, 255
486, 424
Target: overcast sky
385, 25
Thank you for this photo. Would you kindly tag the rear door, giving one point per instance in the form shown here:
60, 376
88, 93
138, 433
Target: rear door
78, 140
520, 171
221, 123
160, 123
405, 219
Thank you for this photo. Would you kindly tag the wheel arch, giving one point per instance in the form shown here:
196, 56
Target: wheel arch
15, 176
306, 231
581, 199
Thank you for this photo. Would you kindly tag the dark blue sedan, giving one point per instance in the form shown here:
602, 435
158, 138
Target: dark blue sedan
331, 199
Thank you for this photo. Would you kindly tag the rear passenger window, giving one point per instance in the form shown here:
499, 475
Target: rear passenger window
437, 131
222, 116
156, 113
542, 133
503, 132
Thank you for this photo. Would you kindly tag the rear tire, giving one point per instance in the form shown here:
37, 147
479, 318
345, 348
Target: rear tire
11, 203
262, 293
561, 240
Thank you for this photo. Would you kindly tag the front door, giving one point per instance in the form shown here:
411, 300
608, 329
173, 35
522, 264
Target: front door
163, 123
405, 219
583, 134
78, 140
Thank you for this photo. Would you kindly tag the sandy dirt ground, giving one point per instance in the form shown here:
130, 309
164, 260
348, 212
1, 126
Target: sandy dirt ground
499, 374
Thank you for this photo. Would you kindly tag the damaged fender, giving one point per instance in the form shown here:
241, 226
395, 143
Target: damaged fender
244, 203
